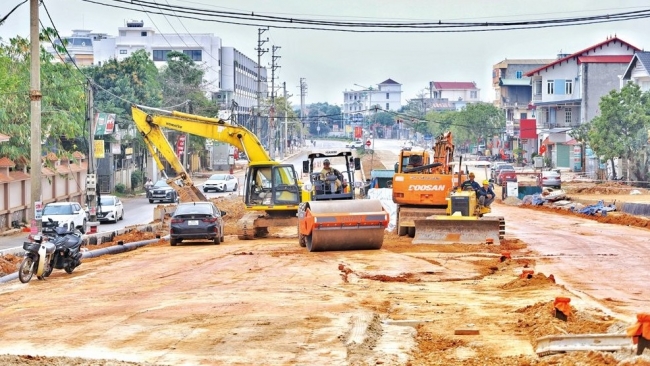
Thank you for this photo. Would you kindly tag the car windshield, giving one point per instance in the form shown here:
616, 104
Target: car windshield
57, 210
504, 167
107, 201
204, 209
218, 177
161, 183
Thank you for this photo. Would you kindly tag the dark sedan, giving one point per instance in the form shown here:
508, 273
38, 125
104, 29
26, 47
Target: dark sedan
196, 221
163, 192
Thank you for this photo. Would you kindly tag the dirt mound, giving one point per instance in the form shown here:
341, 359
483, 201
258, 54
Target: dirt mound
539, 320
235, 210
535, 280
605, 188
9, 264
617, 218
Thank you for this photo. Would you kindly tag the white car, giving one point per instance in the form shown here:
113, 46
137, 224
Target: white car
65, 214
221, 183
357, 144
110, 208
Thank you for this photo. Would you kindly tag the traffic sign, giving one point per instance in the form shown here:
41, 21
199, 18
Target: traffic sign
368, 143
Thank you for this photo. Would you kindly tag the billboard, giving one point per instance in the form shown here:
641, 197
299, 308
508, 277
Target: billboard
104, 123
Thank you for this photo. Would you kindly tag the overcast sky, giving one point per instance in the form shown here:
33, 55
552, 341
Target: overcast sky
332, 62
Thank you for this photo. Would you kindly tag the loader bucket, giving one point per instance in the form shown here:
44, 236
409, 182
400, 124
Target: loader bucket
343, 225
457, 229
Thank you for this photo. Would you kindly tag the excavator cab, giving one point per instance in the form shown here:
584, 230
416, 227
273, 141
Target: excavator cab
268, 186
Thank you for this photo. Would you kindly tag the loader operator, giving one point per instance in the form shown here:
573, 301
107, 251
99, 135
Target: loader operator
470, 184
485, 194
329, 171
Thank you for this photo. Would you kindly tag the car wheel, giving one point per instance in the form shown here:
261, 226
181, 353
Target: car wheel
150, 200
173, 242
122, 216
234, 189
83, 227
216, 240
205, 190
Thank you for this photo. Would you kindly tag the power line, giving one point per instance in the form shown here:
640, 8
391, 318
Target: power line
258, 20
12, 10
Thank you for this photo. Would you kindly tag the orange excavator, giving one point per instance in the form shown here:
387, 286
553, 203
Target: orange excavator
422, 183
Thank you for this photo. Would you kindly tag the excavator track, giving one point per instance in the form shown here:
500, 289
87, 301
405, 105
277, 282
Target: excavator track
256, 224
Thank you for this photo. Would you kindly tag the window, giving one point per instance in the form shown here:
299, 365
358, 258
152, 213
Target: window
568, 87
143, 34
519, 74
538, 87
195, 55
473, 94
160, 55
387, 95
387, 106
567, 116
550, 86
122, 52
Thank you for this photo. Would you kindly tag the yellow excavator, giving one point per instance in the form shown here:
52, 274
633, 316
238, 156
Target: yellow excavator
464, 222
272, 191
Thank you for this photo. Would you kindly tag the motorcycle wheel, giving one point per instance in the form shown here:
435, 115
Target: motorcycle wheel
69, 268
26, 270
48, 271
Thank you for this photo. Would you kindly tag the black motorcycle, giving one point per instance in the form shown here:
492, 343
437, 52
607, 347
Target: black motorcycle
61, 251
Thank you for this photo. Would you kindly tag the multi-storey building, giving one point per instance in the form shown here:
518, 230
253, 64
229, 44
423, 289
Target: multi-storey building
359, 103
566, 93
638, 71
513, 95
453, 91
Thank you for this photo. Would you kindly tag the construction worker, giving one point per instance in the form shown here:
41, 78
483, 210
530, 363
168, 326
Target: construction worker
471, 183
485, 194
328, 171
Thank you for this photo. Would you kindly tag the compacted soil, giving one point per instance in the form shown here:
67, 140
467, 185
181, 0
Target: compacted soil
269, 301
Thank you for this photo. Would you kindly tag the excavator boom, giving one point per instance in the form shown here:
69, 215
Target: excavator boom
272, 190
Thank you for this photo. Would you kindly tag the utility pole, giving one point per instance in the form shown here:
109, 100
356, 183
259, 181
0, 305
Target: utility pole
284, 121
186, 144
273, 131
92, 186
35, 118
303, 92
260, 51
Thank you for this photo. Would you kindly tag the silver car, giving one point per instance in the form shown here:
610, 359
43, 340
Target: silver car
552, 178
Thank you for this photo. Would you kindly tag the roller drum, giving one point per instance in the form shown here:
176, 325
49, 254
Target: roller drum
367, 233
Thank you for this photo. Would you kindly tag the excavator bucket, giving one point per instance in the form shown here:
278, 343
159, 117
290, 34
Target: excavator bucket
458, 229
343, 225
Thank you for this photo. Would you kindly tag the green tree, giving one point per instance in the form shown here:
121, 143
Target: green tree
620, 130
62, 105
322, 115
478, 121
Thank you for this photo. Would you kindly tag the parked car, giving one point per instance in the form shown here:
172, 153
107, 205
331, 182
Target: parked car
552, 178
196, 221
493, 168
163, 192
497, 170
356, 144
506, 175
65, 214
221, 183
110, 208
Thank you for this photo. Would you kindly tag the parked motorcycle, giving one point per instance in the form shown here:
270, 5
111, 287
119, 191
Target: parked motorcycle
44, 254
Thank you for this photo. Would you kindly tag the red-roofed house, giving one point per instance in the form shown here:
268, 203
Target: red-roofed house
455, 91
566, 93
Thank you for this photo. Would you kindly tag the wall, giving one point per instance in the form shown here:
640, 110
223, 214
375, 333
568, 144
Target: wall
56, 186
599, 80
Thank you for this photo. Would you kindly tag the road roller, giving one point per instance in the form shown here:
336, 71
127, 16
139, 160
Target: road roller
330, 218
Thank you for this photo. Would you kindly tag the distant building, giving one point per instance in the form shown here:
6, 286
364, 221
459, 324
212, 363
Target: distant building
638, 71
513, 95
454, 91
566, 93
359, 103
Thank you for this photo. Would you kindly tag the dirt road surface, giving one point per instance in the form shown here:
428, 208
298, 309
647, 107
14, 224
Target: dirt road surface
270, 302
